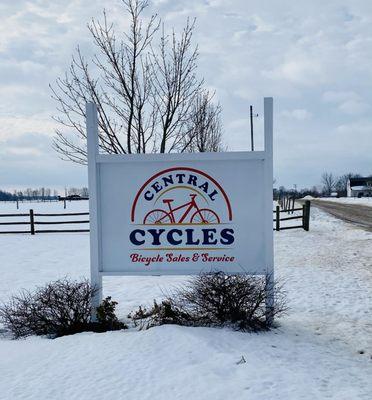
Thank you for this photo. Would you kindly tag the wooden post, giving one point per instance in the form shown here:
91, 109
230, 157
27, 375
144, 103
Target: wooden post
303, 215
277, 218
17, 205
293, 204
64, 203
32, 222
307, 215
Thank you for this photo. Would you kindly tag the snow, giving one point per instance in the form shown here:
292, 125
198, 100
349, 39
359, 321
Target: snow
366, 201
314, 354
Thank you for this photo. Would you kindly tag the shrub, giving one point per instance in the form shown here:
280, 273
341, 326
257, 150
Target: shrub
167, 312
106, 317
215, 299
60, 308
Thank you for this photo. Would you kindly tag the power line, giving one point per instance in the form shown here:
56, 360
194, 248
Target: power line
251, 118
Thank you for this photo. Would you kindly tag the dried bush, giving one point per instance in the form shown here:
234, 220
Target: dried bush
106, 317
215, 299
60, 308
167, 312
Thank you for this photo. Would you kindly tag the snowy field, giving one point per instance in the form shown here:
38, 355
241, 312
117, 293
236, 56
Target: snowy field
366, 201
322, 350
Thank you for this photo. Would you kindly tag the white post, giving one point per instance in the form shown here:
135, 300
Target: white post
93, 175
269, 238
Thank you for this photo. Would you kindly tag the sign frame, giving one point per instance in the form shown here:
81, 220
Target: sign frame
95, 160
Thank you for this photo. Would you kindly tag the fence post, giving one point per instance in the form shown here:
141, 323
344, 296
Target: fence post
32, 222
277, 218
303, 215
64, 203
293, 205
307, 215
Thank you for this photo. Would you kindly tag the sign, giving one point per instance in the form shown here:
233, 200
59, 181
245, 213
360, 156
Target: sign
180, 214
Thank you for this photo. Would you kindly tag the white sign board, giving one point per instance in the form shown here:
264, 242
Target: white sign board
180, 213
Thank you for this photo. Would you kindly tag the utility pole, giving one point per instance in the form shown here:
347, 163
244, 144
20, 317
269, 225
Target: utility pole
251, 117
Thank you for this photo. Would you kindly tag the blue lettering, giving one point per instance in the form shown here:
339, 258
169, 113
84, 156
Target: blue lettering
208, 236
171, 239
155, 233
227, 236
148, 195
190, 239
134, 240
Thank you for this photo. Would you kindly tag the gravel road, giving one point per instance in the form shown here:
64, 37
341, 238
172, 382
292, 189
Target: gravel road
354, 213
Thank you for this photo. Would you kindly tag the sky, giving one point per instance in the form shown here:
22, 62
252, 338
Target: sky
312, 57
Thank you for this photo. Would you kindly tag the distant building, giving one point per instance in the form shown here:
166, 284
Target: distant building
359, 187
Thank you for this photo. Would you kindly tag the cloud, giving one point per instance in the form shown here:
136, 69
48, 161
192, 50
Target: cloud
299, 114
305, 71
347, 102
313, 57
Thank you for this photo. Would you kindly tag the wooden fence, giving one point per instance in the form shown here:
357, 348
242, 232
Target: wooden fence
33, 222
288, 206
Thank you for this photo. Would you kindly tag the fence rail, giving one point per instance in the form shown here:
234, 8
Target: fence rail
34, 223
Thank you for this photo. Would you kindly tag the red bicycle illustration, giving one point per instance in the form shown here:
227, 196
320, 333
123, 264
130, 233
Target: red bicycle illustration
200, 215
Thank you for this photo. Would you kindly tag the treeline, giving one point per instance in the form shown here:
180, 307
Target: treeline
283, 191
28, 194
41, 194
330, 183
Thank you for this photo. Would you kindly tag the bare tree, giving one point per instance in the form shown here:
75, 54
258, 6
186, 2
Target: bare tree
147, 94
204, 127
341, 184
329, 182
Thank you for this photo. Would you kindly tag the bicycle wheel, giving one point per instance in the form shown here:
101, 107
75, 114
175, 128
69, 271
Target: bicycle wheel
205, 216
157, 216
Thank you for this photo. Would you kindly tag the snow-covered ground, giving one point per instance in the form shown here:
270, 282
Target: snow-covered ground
367, 201
322, 350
